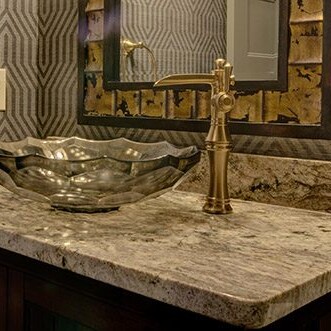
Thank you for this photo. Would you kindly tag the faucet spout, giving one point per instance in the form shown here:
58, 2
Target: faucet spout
186, 79
218, 140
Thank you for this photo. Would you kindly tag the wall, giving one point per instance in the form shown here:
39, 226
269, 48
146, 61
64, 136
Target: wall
47, 105
39, 50
57, 67
18, 54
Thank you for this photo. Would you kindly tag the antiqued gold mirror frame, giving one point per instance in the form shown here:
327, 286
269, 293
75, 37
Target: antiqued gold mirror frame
318, 130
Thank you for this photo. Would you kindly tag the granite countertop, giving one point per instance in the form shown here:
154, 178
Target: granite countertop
248, 268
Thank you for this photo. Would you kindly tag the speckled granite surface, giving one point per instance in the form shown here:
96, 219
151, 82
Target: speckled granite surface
248, 268
288, 182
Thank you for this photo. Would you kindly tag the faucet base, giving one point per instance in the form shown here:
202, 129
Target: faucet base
217, 206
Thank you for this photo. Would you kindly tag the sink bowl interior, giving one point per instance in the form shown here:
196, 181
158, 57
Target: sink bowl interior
89, 175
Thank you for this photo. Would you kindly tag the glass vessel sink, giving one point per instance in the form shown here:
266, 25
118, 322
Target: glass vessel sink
88, 175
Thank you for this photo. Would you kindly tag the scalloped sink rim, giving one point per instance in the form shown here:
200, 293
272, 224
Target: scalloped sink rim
82, 175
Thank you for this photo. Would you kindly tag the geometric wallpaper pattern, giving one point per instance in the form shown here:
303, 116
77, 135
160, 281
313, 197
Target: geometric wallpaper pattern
57, 69
18, 54
39, 50
38, 46
180, 33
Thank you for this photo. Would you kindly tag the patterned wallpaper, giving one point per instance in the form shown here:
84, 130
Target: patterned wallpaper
180, 34
57, 67
18, 54
39, 50
38, 46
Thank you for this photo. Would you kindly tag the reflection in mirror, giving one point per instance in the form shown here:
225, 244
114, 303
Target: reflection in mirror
147, 40
300, 110
159, 38
183, 36
252, 45
127, 54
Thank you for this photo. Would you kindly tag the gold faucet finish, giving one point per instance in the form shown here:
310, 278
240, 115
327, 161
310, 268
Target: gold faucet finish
218, 140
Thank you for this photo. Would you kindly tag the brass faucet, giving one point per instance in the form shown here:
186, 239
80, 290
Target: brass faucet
218, 140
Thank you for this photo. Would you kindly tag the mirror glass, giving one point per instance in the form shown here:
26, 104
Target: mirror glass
252, 44
162, 37
297, 104
183, 36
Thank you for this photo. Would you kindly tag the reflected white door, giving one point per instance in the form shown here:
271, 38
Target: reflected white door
252, 38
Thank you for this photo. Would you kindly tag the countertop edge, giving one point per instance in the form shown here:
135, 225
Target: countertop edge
265, 312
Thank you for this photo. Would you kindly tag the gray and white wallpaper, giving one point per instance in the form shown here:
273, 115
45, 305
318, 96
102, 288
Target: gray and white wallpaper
38, 46
39, 50
57, 66
18, 54
186, 36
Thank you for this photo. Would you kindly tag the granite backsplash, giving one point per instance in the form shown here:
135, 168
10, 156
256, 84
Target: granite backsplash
283, 181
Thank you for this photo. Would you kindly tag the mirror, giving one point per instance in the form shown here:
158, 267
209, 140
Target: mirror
252, 45
301, 110
147, 40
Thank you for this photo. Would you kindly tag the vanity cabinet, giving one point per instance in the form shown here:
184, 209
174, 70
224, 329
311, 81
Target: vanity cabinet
39, 297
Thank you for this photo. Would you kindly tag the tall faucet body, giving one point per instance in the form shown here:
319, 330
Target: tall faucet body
218, 140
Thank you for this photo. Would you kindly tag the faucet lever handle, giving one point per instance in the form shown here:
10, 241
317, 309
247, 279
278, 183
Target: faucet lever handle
228, 78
